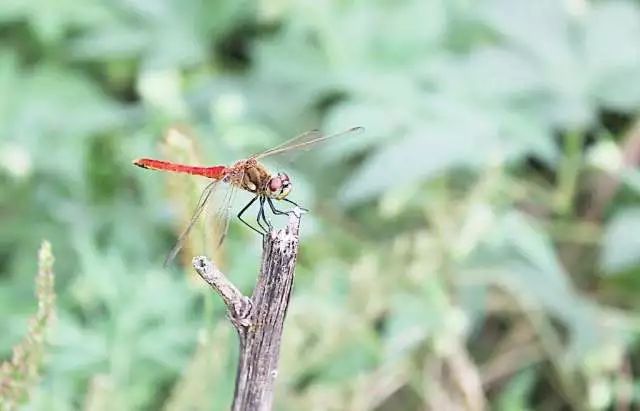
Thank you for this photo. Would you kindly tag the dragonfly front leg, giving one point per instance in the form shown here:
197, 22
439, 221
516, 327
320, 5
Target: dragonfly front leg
247, 224
274, 209
306, 210
280, 212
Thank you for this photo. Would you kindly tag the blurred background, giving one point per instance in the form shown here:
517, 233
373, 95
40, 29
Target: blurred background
475, 248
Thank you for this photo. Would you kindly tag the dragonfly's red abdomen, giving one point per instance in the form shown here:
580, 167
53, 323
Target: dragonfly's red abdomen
215, 172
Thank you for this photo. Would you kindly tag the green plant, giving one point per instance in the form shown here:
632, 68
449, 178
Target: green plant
20, 374
483, 226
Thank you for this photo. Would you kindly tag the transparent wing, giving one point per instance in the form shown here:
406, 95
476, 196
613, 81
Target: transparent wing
206, 195
217, 198
305, 141
221, 217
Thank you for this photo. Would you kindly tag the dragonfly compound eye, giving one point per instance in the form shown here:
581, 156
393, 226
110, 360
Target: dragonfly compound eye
275, 184
279, 186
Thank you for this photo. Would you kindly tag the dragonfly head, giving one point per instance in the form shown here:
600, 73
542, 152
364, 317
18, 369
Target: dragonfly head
279, 186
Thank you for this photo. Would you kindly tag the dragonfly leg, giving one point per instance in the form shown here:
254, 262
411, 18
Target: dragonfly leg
274, 209
264, 217
259, 215
306, 210
280, 212
247, 224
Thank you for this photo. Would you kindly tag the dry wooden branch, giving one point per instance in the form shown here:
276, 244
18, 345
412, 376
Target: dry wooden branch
259, 320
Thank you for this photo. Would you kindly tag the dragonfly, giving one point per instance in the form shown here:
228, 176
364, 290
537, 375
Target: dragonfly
247, 174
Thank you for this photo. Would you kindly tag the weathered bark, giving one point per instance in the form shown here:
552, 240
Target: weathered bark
259, 320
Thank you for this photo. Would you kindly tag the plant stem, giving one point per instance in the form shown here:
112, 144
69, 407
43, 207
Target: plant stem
569, 172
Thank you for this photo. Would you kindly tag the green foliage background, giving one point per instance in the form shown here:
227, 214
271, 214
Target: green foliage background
476, 247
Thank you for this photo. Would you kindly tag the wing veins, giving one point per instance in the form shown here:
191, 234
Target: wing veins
202, 202
304, 140
222, 219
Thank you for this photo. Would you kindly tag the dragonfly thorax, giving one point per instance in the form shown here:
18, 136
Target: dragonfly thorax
254, 177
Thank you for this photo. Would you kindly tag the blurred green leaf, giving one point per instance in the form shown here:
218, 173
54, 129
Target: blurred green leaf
51, 20
520, 257
621, 245
515, 395
576, 66
613, 68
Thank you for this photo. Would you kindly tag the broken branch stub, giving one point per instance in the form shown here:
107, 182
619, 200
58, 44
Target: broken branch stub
259, 320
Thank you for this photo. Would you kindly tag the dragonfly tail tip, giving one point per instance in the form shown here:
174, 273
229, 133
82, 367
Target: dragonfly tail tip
139, 162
